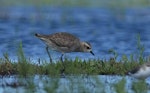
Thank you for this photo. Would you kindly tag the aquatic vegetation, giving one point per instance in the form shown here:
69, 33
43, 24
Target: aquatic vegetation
75, 67
25, 67
140, 48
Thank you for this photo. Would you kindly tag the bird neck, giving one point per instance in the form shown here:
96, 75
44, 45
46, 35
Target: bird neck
80, 48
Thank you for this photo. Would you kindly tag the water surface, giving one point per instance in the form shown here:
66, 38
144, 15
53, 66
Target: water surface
104, 28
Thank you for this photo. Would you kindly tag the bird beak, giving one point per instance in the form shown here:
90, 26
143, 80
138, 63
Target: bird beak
92, 53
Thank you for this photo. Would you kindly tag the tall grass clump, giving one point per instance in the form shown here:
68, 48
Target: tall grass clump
52, 69
51, 86
140, 87
6, 67
120, 86
31, 85
24, 66
140, 48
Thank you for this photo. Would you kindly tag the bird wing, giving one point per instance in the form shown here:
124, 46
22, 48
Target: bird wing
135, 70
64, 39
148, 64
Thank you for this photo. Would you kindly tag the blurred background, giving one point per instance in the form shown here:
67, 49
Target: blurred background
107, 24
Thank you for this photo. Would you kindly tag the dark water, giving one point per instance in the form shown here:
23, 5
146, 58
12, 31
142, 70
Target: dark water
104, 28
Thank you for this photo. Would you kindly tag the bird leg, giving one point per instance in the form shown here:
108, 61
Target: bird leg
61, 58
49, 54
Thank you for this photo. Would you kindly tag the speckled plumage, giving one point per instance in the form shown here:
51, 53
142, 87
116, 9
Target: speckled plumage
62, 42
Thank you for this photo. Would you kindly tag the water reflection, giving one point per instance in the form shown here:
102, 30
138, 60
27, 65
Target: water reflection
70, 84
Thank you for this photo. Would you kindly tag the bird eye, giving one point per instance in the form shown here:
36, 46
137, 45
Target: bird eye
87, 47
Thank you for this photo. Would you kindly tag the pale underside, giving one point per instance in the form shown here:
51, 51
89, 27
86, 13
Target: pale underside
142, 73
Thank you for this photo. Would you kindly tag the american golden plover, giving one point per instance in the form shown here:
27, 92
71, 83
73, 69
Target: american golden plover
65, 43
141, 72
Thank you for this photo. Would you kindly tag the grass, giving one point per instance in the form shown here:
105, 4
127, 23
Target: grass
25, 67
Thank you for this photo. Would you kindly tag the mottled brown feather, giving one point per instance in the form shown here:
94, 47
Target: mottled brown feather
62, 39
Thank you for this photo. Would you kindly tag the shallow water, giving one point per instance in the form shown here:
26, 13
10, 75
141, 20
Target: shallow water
69, 84
104, 28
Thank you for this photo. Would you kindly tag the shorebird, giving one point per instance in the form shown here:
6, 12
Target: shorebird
141, 72
65, 43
